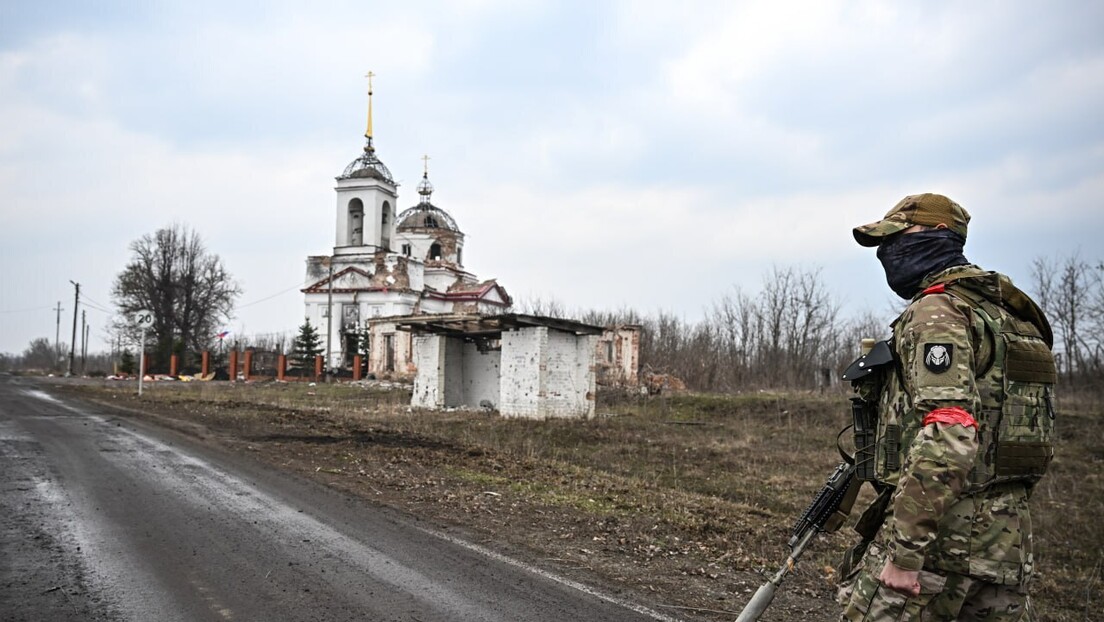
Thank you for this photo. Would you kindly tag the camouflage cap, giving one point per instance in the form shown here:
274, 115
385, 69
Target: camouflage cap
917, 209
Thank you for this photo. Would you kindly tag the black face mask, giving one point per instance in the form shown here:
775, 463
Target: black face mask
909, 257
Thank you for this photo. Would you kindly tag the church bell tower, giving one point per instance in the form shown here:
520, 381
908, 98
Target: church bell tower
366, 200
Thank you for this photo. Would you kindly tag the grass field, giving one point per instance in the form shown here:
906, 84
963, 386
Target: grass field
684, 498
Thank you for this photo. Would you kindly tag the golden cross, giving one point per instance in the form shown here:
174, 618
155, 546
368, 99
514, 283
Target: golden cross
369, 75
425, 159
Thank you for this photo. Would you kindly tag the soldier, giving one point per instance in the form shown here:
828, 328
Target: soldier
964, 419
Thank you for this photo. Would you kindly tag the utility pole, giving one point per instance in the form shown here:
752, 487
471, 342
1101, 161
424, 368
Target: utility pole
329, 320
57, 339
73, 344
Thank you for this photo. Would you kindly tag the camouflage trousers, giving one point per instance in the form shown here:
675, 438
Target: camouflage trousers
942, 597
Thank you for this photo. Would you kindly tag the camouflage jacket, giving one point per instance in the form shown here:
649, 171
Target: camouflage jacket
934, 520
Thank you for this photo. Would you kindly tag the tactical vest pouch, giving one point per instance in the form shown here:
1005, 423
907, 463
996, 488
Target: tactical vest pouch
864, 420
1024, 437
893, 447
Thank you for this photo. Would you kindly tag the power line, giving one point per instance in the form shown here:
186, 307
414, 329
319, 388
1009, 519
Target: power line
96, 308
95, 304
250, 304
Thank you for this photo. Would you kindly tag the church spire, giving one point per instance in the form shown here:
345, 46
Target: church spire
368, 132
424, 187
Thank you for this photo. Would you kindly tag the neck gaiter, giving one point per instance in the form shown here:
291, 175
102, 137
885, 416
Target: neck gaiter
909, 257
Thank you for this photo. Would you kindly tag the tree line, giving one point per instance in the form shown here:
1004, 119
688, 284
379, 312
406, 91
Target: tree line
789, 334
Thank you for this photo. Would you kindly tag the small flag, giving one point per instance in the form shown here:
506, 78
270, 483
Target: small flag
223, 334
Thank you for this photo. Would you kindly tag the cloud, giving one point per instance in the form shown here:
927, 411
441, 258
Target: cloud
628, 153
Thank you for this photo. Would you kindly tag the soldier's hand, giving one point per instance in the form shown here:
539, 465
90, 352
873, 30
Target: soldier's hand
906, 582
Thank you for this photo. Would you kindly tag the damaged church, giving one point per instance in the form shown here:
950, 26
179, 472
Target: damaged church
390, 266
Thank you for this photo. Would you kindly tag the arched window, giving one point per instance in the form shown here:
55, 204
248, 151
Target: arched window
434, 252
430, 221
356, 223
385, 226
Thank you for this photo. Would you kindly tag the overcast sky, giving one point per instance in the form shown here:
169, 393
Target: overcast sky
650, 155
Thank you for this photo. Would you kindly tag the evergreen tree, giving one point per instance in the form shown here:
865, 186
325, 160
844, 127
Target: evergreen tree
127, 364
307, 346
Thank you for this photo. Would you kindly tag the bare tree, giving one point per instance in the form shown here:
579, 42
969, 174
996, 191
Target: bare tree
187, 288
537, 305
1067, 290
40, 355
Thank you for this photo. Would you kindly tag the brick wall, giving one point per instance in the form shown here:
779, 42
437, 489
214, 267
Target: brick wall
521, 365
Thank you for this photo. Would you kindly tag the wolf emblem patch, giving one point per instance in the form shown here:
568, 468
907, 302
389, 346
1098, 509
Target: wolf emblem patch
937, 357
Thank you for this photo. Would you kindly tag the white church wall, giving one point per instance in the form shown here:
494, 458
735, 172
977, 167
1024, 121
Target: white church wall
440, 280
415, 271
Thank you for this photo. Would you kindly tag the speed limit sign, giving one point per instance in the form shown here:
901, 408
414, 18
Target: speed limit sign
143, 319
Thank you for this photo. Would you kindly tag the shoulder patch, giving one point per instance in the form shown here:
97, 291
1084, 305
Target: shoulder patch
938, 357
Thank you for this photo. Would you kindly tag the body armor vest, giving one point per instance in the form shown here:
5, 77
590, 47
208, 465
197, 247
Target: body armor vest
1016, 422
1015, 379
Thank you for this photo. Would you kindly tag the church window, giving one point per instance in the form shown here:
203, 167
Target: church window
435, 252
430, 221
356, 223
459, 253
385, 228
406, 249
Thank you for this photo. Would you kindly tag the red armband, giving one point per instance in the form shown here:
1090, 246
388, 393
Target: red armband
951, 416
938, 288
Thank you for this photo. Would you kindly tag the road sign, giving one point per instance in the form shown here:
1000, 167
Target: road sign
143, 319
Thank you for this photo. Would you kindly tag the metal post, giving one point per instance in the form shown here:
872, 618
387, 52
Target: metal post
142, 362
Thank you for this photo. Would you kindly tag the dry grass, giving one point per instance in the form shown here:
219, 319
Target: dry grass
680, 497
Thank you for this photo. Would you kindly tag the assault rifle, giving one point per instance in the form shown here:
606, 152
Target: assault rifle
825, 514
832, 504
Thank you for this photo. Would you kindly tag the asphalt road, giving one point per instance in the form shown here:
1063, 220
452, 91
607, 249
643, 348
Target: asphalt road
102, 518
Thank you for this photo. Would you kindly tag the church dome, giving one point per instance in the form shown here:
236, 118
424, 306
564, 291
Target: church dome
425, 215
368, 166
